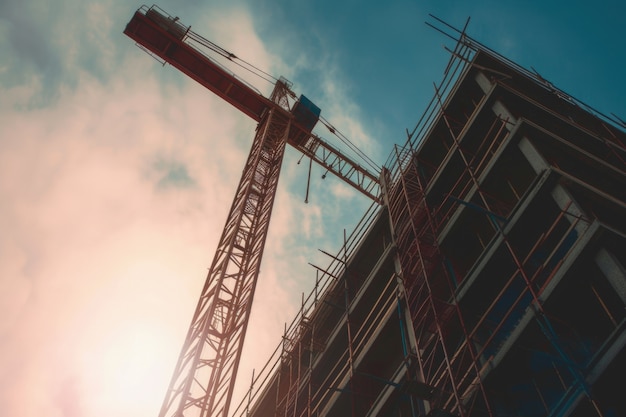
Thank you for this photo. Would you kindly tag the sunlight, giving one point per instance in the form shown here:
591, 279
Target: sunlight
133, 374
133, 342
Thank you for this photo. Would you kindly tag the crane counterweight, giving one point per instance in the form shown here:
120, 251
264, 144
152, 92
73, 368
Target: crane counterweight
160, 34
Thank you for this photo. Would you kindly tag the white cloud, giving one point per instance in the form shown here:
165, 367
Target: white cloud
100, 267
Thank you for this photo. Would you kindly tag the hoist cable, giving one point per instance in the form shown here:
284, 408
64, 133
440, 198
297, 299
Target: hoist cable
351, 145
231, 57
194, 37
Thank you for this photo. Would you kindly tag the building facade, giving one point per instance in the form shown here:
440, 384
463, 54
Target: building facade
492, 282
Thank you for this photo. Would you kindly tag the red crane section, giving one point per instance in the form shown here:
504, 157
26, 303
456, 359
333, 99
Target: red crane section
164, 37
203, 381
169, 41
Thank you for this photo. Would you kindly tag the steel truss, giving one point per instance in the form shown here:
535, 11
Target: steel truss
205, 373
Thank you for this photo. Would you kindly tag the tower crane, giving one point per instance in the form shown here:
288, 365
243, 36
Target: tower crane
204, 375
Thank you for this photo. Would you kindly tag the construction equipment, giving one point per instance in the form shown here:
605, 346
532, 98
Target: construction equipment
204, 377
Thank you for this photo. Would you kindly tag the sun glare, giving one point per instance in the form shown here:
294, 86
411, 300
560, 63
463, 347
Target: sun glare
133, 368
133, 342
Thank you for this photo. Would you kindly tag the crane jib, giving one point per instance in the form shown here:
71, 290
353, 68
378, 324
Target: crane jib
164, 37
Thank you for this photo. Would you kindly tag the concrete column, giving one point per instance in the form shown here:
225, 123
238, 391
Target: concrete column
503, 113
484, 82
536, 160
614, 271
565, 201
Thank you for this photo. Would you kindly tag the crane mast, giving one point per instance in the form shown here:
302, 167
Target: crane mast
204, 376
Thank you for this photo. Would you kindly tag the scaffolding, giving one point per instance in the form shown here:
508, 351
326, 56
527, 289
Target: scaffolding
461, 329
458, 296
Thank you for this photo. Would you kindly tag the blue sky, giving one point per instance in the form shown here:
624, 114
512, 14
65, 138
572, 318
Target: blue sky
116, 173
387, 57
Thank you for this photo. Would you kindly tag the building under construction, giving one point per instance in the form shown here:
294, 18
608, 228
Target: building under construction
491, 282
488, 278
